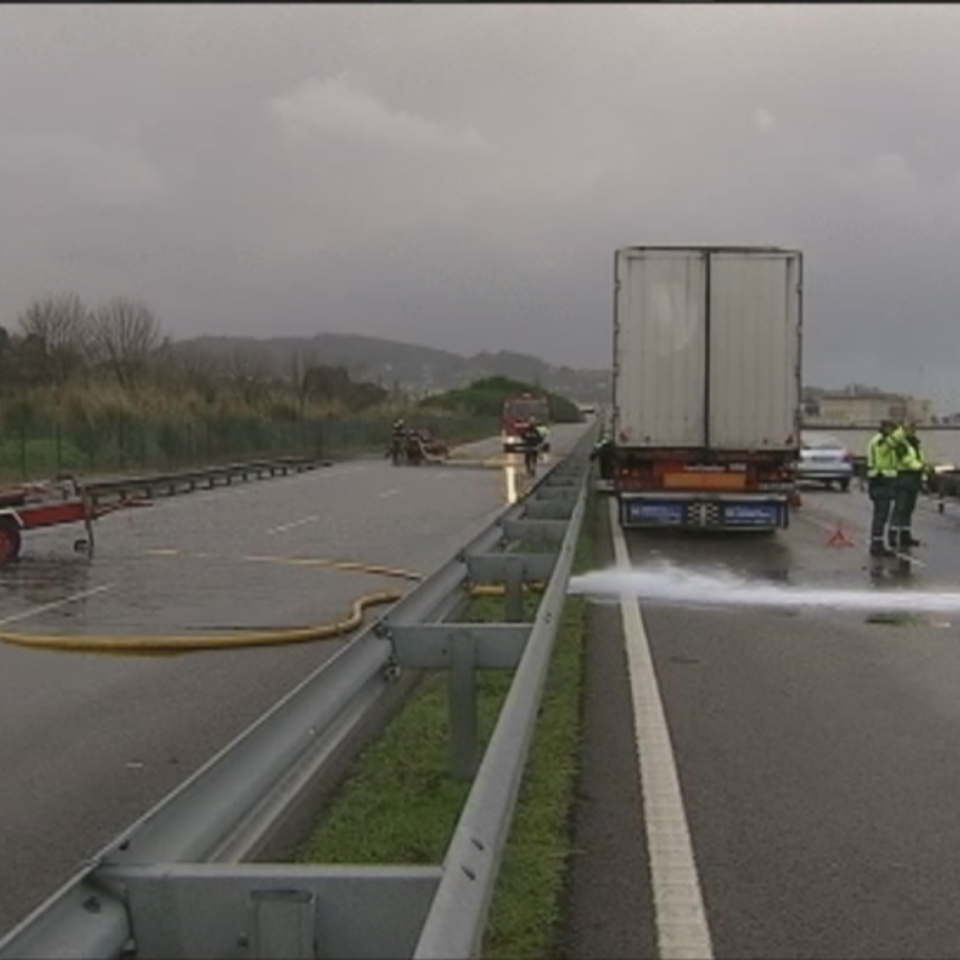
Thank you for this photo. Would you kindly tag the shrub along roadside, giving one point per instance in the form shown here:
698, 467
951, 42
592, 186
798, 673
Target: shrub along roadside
41, 446
485, 398
399, 804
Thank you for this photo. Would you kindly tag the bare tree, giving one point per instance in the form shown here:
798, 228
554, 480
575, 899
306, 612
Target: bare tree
8, 366
300, 364
55, 335
126, 334
192, 366
248, 370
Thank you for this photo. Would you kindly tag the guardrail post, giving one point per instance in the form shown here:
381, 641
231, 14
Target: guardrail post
463, 708
513, 590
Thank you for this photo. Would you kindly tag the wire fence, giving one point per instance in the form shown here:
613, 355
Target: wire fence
45, 449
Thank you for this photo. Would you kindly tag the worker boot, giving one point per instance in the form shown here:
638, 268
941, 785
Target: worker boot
907, 540
879, 550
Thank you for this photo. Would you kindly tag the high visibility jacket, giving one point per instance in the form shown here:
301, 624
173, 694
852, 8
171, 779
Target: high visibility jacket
909, 457
531, 436
882, 460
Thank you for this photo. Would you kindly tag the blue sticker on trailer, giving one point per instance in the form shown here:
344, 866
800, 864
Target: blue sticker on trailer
640, 512
752, 514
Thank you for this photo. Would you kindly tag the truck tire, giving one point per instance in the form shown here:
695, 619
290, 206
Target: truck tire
9, 539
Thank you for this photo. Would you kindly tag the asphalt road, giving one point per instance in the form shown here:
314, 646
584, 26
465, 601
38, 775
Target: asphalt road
88, 743
816, 753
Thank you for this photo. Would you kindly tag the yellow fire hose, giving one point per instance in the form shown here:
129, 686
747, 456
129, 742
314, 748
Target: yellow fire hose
191, 643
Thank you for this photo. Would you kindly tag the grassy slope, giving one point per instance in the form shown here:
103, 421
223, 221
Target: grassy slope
400, 805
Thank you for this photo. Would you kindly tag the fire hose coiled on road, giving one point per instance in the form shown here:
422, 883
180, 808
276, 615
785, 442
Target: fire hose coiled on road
147, 645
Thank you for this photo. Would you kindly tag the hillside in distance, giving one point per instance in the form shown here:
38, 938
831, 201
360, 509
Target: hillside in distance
409, 367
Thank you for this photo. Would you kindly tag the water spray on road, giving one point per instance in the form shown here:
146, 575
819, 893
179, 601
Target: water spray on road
673, 584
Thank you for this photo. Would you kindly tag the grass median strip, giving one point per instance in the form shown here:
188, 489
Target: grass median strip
399, 803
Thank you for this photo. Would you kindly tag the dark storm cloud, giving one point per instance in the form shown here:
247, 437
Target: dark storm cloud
459, 176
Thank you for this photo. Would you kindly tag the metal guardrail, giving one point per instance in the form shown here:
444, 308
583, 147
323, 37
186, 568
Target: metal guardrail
173, 884
179, 481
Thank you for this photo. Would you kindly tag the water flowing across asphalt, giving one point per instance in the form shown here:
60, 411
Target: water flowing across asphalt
690, 587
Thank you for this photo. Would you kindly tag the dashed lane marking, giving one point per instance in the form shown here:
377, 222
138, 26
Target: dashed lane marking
34, 611
295, 523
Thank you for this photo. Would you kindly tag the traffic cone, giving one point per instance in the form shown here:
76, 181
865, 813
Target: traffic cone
839, 537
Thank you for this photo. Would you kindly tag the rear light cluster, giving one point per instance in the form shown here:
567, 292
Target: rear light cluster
627, 470
784, 473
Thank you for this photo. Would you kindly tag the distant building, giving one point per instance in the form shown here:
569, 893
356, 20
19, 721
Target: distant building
860, 406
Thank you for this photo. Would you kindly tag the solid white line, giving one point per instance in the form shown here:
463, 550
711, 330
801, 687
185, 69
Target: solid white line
389, 493
290, 526
33, 611
682, 929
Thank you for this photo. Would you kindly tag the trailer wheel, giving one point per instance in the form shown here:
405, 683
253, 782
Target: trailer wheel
9, 540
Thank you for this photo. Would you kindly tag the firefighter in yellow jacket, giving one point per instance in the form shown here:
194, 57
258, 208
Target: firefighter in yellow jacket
881, 484
911, 466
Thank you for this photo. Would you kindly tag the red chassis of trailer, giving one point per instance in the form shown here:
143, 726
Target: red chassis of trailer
30, 506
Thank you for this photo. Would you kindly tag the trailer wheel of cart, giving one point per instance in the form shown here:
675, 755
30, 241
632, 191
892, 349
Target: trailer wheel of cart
9, 539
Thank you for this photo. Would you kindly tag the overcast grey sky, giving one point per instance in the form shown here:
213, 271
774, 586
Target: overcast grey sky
459, 176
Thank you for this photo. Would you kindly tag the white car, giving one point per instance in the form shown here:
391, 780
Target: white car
824, 459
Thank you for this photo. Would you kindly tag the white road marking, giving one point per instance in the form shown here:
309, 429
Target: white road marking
682, 929
33, 611
295, 523
389, 493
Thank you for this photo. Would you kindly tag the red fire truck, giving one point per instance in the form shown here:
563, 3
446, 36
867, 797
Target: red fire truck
517, 413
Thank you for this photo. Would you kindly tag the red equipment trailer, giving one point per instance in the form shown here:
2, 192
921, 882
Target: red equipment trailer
29, 506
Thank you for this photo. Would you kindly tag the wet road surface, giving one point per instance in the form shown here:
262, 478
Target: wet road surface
88, 743
816, 754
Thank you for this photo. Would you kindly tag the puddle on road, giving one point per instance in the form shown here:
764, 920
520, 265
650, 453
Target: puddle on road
41, 579
894, 602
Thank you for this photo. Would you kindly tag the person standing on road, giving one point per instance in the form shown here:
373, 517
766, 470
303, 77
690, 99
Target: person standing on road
910, 469
544, 431
882, 464
603, 452
532, 440
398, 439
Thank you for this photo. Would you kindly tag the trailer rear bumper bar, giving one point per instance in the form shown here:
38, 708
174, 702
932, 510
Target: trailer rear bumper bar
705, 510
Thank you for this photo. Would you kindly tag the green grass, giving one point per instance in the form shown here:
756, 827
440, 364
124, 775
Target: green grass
41, 456
399, 803
524, 920
146, 445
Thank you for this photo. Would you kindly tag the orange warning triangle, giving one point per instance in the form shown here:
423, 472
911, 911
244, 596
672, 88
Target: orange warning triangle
839, 537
